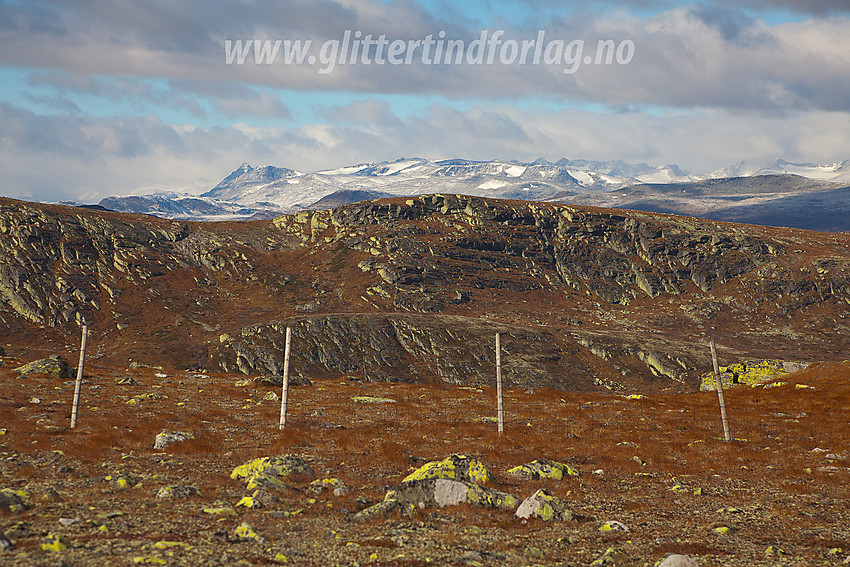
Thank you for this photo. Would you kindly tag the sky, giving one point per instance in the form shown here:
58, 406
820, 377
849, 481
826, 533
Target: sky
123, 97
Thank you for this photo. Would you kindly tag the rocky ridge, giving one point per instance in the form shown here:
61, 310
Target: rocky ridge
413, 290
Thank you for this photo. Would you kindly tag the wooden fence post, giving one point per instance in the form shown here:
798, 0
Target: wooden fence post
76, 404
499, 408
719, 383
285, 392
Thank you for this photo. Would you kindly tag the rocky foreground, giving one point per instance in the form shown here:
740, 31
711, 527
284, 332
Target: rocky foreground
188, 468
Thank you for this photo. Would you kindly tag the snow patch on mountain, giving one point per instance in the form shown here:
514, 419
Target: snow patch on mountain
250, 191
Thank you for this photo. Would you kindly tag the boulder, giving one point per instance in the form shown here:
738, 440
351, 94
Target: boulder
5, 543
543, 468
55, 367
439, 492
274, 467
544, 506
11, 501
453, 467
677, 560
166, 438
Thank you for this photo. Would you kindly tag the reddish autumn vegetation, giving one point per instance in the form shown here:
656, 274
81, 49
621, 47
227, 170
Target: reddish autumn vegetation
665, 471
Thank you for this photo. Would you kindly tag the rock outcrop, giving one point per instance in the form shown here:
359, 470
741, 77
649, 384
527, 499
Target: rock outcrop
413, 290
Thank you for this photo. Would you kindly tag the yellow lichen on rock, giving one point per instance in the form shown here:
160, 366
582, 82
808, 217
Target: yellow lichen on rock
543, 468
453, 467
750, 372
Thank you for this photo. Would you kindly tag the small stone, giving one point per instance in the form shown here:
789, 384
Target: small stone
612, 556
55, 543
166, 438
177, 491
222, 511
5, 543
69, 521
613, 526
246, 531
372, 400
333, 484
271, 397
173, 544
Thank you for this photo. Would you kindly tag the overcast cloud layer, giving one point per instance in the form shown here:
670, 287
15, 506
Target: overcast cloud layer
109, 98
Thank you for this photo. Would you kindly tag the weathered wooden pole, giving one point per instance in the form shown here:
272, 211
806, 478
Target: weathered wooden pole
499, 408
76, 405
285, 392
719, 383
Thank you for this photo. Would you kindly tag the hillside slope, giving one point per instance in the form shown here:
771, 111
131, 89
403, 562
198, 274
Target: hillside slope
413, 290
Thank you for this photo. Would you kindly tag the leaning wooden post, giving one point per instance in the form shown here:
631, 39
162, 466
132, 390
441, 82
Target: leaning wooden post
719, 383
499, 408
76, 405
285, 392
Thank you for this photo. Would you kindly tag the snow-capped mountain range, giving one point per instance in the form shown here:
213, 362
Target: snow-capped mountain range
262, 192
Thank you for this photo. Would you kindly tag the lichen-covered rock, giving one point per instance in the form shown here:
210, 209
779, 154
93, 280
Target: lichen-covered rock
220, 511
55, 543
612, 556
5, 543
247, 532
490, 498
371, 400
166, 438
282, 467
333, 484
55, 367
612, 526
749, 372
12, 501
544, 506
266, 482
439, 492
379, 510
543, 468
277, 380
177, 491
453, 467
122, 480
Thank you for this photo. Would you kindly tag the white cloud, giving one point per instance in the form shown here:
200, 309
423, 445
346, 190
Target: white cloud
65, 157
